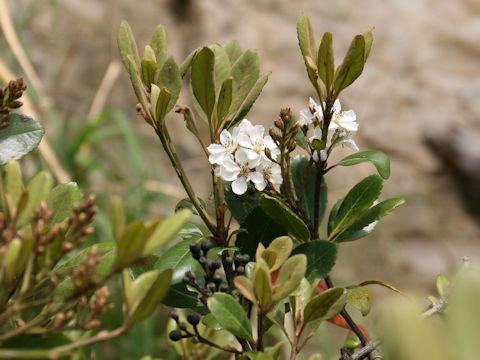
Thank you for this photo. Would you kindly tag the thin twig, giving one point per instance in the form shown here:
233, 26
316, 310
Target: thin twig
362, 353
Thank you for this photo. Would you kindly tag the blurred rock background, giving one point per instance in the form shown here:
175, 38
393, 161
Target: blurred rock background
422, 77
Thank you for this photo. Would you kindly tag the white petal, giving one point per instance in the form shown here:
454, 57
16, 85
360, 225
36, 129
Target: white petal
350, 143
240, 186
225, 138
215, 149
228, 175
305, 117
256, 133
245, 126
315, 156
337, 107
348, 120
217, 158
311, 103
256, 177
323, 155
242, 156
317, 134
230, 165
244, 140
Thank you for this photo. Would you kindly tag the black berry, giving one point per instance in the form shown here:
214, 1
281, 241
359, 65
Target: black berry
193, 318
175, 335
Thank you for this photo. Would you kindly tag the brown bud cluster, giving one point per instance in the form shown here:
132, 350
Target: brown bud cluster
99, 304
9, 100
83, 275
40, 218
79, 224
284, 132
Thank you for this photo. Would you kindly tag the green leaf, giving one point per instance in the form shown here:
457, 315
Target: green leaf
360, 298
299, 299
245, 286
442, 284
256, 355
149, 69
233, 50
137, 83
118, 216
171, 79
222, 66
159, 45
357, 230
377, 158
39, 189
180, 297
321, 257
260, 228
326, 305
285, 217
282, 247
179, 258
368, 42
250, 99
166, 231
352, 65
230, 315
61, 200
299, 165
312, 71
262, 286
357, 201
306, 38
210, 321
145, 305
203, 84
130, 245
187, 63
245, 73
13, 184
290, 276
224, 99
241, 205
160, 100
127, 45
326, 60
19, 138
188, 204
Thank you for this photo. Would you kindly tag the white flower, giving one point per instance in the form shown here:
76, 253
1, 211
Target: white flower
226, 148
308, 114
271, 171
254, 143
343, 119
240, 173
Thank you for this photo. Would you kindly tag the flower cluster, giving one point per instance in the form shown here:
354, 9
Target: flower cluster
339, 130
246, 155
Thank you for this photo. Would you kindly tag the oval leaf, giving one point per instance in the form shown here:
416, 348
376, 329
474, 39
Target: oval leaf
290, 276
377, 158
39, 189
352, 65
321, 256
230, 315
203, 85
285, 217
360, 298
326, 61
61, 201
357, 201
306, 38
19, 138
326, 305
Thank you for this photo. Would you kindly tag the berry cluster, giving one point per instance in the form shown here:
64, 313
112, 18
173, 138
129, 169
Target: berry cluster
213, 282
182, 332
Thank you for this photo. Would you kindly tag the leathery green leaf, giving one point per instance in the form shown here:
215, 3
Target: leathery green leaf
360, 298
321, 256
222, 66
357, 201
326, 61
149, 69
245, 73
203, 84
20, 137
13, 184
127, 45
159, 45
170, 78
224, 99
245, 286
368, 42
130, 245
285, 217
39, 189
233, 50
299, 299
282, 247
118, 216
166, 230
262, 286
230, 315
61, 200
145, 305
377, 158
290, 276
326, 305
306, 38
360, 227
352, 65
